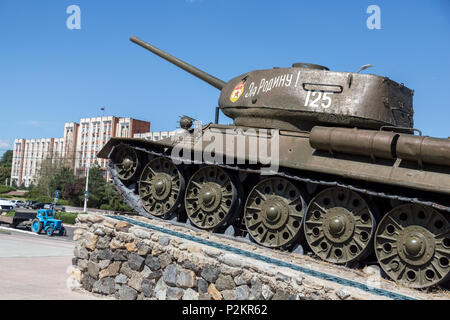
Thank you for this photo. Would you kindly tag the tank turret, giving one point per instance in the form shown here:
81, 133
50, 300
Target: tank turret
305, 95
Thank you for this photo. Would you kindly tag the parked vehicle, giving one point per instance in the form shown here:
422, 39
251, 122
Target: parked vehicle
6, 206
18, 218
35, 205
20, 203
59, 208
30, 203
45, 220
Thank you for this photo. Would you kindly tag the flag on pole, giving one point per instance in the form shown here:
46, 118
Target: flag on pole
103, 109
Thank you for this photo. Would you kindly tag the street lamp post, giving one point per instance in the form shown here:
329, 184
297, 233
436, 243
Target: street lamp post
86, 192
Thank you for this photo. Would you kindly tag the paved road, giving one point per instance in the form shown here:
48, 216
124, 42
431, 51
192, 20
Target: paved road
35, 267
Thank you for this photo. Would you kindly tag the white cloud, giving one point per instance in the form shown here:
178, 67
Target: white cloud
4, 144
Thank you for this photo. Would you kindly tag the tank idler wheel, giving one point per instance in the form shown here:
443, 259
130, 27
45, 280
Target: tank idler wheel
274, 212
212, 199
161, 187
412, 245
126, 163
339, 225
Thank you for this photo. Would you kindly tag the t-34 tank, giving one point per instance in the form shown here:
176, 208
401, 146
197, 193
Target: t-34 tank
346, 176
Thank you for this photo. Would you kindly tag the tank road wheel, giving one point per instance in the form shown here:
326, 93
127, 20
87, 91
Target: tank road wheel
126, 163
412, 244
211, 199
274, 212
161, 187
339, 225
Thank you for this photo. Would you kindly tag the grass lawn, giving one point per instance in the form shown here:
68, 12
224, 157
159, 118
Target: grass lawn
67, 217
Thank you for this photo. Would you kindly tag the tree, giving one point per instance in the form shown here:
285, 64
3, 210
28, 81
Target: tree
5, 166
46, 174
6, 159
62, 177
73, 192
97, 187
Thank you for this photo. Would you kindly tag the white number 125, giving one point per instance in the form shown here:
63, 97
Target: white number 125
313, 97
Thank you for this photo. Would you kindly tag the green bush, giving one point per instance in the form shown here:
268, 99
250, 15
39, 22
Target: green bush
67, 217
6, 189
10, 214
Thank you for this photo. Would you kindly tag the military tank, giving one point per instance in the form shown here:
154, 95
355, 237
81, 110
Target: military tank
324, 159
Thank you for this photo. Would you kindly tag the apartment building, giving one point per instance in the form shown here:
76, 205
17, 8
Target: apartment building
77, 149
27, 157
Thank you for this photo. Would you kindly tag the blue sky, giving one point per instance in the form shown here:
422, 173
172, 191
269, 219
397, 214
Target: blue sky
50, 74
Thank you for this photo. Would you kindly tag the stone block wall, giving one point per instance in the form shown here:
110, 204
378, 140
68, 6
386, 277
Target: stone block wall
117, 259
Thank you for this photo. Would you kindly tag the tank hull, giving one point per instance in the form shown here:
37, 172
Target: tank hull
295, 152
296, 188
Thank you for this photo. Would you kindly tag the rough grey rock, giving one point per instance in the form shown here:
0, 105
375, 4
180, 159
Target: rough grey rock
240, 280
105, 254
204, 296
155, 275
231, 260
282, 277
102, 264
210, 273
143, 249
202, 285
126, 270
242, 292
135, 281
188, 264
266, 292
127, 293
342, 294
87, 282
121, 279
372, 270
104, 286
136, 262
146, 272
99, 232
93, 269
164, 241
280, 295
190, 294
160, 290
141, 233
153, 263
312, 296
120, 255
94, 256
174, 293
164, 260
256, 289
147, 287
82, 264
81, 253
228, 294
225, 282
185, 278
170, 275
103, 242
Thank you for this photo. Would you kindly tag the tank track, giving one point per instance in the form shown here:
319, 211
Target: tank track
133, 200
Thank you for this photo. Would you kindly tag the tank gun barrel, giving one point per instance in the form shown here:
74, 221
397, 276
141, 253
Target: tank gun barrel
215, 82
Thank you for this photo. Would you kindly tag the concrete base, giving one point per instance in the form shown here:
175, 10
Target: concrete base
34, 267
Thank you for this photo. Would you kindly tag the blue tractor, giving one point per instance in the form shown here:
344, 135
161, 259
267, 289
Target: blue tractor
45, 220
